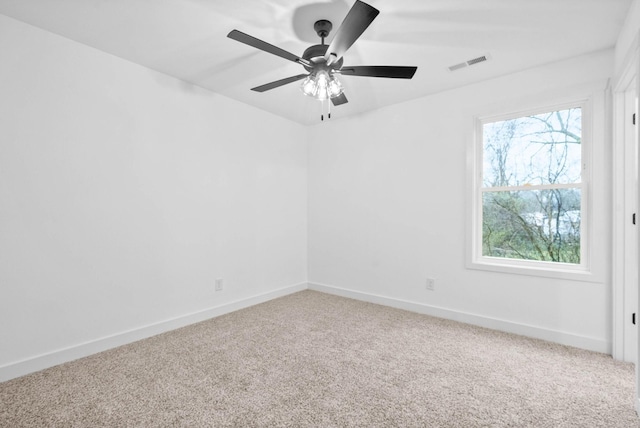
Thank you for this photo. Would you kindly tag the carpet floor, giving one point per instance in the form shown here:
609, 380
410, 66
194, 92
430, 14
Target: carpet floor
316, 360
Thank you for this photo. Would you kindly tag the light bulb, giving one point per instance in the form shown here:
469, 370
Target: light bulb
322, 81
335, 88
322, 78
309, 86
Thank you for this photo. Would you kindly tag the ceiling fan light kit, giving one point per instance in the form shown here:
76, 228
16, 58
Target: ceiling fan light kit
322, 86
323, 62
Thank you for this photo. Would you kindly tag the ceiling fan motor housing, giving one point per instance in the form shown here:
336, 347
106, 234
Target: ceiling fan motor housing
315, 55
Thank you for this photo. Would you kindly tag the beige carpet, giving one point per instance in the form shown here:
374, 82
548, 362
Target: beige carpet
311, 359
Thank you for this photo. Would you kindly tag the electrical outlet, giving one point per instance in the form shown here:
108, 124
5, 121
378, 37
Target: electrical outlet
431, 284
219, 284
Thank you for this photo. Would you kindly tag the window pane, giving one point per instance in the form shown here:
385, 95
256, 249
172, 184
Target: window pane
539, 225
533, 150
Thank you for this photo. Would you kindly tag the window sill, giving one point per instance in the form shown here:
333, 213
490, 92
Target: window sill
515, 267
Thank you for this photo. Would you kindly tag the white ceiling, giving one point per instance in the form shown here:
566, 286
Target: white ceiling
187, 39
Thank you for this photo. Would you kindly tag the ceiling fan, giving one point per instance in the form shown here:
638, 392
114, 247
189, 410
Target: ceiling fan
323, 62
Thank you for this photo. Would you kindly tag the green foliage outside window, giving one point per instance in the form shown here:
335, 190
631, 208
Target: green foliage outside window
531, 192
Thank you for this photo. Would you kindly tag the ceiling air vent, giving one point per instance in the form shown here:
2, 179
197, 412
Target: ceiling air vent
470, 62
458, 66
477, 60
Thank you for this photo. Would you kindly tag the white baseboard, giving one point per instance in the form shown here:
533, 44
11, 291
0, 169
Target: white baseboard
564, 338
41, 362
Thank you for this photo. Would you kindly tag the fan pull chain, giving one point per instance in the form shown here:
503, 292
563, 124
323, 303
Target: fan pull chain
328, 109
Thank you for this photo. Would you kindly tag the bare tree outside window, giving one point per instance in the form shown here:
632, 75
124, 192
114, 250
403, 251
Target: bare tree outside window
531, 187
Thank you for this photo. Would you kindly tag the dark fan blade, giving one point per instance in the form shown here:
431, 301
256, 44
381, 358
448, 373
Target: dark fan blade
279, 83
264, 46
339, 100
354, 24
394, 72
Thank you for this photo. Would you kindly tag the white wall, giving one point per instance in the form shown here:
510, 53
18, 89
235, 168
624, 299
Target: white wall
628, 41
388, 202
124, 193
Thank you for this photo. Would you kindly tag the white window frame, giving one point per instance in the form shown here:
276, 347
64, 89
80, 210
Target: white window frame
475, 260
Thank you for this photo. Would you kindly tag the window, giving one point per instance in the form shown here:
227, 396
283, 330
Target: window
531, 190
